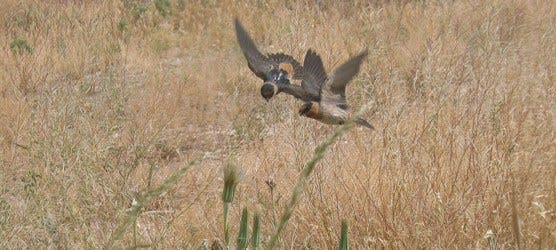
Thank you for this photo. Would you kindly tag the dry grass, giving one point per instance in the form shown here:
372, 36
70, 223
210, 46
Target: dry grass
112, 97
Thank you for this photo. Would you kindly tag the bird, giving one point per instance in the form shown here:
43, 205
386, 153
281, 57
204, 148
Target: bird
331, 106
309, 90
276, 70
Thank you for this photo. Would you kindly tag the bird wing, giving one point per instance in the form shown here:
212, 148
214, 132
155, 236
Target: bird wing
257, 62
334, 89
261, 64
279, 59
314, 75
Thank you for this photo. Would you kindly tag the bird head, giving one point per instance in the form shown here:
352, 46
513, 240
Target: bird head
268, 90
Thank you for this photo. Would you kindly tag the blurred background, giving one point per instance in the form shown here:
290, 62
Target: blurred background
100, 101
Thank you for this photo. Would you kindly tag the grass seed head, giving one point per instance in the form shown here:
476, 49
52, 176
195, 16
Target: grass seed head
231, 179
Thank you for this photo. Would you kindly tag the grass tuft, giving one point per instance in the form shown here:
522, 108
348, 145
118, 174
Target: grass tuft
231, 179
20, 46
242, 237
102, 101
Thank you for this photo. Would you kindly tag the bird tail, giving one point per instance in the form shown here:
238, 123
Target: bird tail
363, 123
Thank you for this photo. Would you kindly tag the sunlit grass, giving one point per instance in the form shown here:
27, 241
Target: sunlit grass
102, 101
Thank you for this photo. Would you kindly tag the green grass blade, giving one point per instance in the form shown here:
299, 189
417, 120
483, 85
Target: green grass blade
256, 237
226, 229
320, 152
344, 241
242, 238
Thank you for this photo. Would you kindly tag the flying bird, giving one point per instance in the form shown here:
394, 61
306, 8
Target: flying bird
309, 91
331, 105
276, 70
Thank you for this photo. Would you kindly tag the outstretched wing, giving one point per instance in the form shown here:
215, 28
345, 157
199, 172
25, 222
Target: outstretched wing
257, 62
287, 63
334, 90
314, 75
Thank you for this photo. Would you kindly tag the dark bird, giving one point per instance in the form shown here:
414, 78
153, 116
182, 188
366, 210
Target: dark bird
309, 91
276, 70
331, 106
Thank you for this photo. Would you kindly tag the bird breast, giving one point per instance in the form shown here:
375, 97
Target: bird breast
314, 111
331, 114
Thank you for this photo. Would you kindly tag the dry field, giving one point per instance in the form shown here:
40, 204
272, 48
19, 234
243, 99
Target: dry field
100, 101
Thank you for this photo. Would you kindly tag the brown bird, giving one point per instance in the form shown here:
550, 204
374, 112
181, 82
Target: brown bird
276, 70
331, 107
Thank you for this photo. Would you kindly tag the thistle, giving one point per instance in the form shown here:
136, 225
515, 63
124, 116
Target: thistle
231, 178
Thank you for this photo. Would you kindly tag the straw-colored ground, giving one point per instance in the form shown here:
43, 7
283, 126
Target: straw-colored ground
102, 100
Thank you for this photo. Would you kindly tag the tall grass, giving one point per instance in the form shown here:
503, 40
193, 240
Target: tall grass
102, 101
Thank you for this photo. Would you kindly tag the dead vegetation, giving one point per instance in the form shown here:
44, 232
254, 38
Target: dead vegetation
100, 101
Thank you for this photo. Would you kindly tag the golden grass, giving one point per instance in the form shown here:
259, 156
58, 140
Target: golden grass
115, 97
